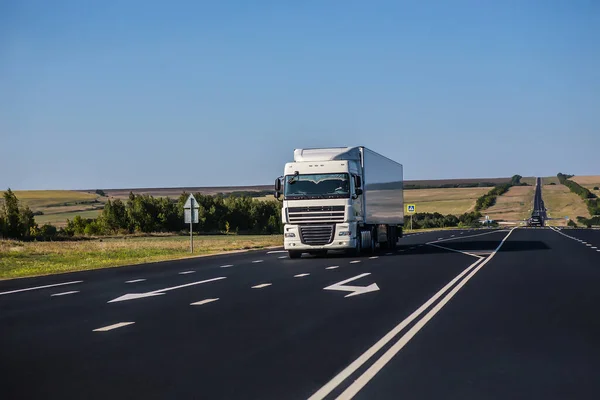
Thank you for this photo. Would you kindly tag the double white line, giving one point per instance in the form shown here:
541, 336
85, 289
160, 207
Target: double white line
366, 376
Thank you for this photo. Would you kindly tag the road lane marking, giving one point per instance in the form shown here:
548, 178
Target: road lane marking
282, 257
276, 251
64, 293
257, 261
333, 267
111, 327
354, 262
594, 247
457, 251
389, 254
468, 236
39, 287
360, 361
589, 245
373, 258
135, 281
186, 272
355, 290
205, 301
452, 236
226, 266
159, 292
300, 275
262, 285
386, 357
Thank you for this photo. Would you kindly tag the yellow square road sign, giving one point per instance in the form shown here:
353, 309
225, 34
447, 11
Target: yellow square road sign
411, 208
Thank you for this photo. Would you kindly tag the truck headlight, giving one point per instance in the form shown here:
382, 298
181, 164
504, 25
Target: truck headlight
289, 235
345, 233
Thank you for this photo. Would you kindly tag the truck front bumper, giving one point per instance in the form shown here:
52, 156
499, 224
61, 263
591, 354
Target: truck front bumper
292, 239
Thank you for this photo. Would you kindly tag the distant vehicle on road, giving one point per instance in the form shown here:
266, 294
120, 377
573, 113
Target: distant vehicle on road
348, 198
535, 220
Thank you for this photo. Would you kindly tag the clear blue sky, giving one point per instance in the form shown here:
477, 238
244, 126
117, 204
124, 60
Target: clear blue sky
109, 94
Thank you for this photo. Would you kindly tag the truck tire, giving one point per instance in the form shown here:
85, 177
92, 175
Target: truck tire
357, 250
294, 254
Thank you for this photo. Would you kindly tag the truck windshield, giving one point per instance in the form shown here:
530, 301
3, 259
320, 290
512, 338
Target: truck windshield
317, 186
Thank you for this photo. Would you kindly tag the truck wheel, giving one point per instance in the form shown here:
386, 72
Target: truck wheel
357, 250
373, 248
294, 254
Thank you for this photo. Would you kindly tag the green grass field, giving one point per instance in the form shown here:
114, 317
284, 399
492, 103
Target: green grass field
20, 259
444, 201
561, 203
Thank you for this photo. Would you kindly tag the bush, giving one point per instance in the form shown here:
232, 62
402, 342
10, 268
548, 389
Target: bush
572, 223
100, 193
596, 188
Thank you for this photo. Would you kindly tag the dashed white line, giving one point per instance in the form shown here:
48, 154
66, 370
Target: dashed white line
373, 258
115, 326
333, 267
388, 254
262, 285
589, 245
354, 262
257, 261
64, 293
135, 281
276, 251
594, 247
282, 257
300, 275
186, 272
205, 301
226, 266
40, 287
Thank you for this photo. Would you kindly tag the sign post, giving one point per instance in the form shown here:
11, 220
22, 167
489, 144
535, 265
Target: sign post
411, 209
190, 213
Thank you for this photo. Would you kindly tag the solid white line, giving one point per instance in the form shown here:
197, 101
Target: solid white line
111, 327
257, 261
359, 383
205, 301
360, 361
300, 275
135, 281
262, 285
226, 266
40, 287
354, 262
276, 251
333, 267
186, 272
456, 251
64, 293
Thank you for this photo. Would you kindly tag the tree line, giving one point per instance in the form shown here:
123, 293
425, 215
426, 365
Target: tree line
591, 200
437, 220
489, 199
147, 214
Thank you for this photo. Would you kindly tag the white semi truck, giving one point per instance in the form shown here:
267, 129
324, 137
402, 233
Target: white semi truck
347, 198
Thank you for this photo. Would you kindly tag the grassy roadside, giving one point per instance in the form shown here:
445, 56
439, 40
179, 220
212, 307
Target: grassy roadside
22, 259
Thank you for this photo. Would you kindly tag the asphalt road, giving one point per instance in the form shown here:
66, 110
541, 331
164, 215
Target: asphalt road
538, 203
480, 314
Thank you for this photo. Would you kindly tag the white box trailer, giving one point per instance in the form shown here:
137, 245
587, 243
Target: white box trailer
343, 198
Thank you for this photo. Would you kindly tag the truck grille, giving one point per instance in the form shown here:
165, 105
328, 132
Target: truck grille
317, 235
316, 214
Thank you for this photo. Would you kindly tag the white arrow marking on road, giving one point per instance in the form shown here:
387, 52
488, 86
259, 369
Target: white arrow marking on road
300, 275
133, 296
205, 301
356, 290
115, 326
64, 293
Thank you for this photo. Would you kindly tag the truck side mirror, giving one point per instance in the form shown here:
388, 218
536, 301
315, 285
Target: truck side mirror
358, 191
278, 185
357, 182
